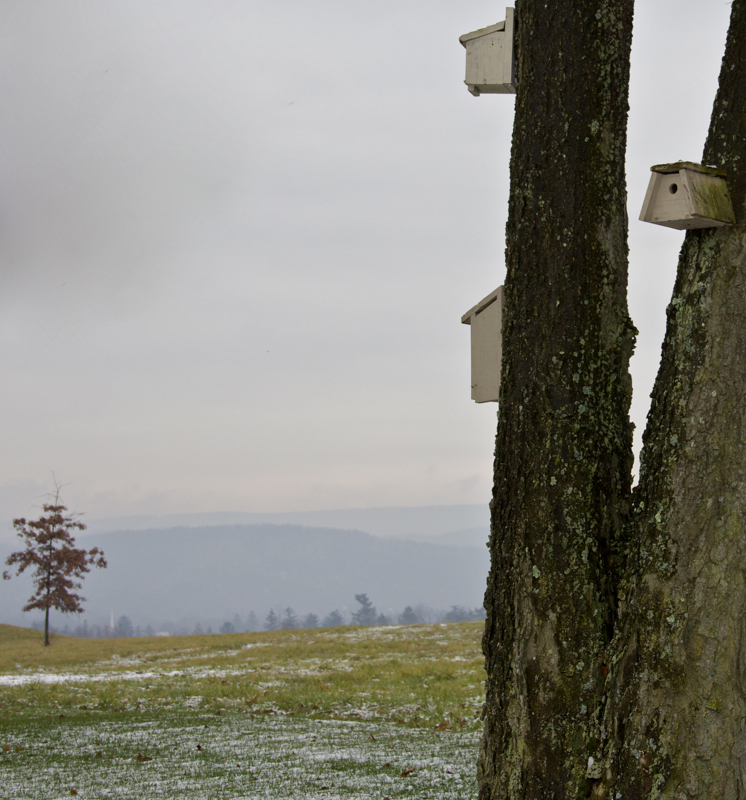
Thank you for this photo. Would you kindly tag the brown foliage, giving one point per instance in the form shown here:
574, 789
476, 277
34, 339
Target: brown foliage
58, 565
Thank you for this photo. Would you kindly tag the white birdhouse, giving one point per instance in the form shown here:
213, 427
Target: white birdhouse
486, 320
490, 58
686, 195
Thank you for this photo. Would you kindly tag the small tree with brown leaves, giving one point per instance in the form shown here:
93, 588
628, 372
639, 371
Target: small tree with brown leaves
58, 564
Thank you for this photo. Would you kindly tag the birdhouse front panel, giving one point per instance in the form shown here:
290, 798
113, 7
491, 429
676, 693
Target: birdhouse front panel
486, 319
686, 196
484, 59
490, 58
710, 197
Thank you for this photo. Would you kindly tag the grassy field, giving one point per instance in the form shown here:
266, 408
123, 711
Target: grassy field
335, 713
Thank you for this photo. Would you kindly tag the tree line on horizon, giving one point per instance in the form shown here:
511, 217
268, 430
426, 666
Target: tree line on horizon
281, 619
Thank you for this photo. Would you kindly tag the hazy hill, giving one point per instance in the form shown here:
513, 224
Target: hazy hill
411, 522
179, 573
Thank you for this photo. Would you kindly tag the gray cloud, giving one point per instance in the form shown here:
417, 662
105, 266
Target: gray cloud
236, 240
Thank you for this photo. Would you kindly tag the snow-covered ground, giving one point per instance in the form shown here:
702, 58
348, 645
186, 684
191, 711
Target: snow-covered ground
200, 757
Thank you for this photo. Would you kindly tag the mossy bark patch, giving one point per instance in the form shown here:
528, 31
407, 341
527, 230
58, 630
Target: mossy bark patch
674, 722
563, 458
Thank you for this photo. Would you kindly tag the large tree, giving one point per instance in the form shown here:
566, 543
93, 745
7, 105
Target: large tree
677, 723
58, 566
615, 644
563, 456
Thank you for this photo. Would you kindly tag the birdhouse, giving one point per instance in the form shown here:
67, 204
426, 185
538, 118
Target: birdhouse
686, 195
486, 320
490, 58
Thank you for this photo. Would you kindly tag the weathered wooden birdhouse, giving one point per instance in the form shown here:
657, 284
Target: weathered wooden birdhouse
486, 320
686, 195
490, 58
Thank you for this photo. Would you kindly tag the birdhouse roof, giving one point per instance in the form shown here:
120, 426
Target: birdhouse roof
679, 165
480, 306
467, 37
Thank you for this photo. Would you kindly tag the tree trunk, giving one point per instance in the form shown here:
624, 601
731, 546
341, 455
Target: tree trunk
677, 723
563, 456
49, 591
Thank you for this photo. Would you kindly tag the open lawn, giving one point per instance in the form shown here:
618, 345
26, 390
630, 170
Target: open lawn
341, 712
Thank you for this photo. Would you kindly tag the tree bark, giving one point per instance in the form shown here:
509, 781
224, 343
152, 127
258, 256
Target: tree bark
676, 724
563, 456
49, 583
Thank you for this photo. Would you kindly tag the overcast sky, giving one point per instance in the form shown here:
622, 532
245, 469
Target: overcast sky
237, 237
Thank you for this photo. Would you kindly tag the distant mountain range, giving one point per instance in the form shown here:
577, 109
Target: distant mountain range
213, 572
420, 523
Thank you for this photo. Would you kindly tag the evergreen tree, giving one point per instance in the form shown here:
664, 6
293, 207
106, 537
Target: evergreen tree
408, 617
461, 614
426, 613
333, 620
123, 628
456, 614
252, 622
227, 627
272, 622
289, 620
310, 621
366, 614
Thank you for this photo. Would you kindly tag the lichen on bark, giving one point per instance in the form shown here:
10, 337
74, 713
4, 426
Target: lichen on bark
560, 506
674, 725
615, 640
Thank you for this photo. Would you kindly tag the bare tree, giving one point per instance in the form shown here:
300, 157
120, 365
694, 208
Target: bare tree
58, 565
